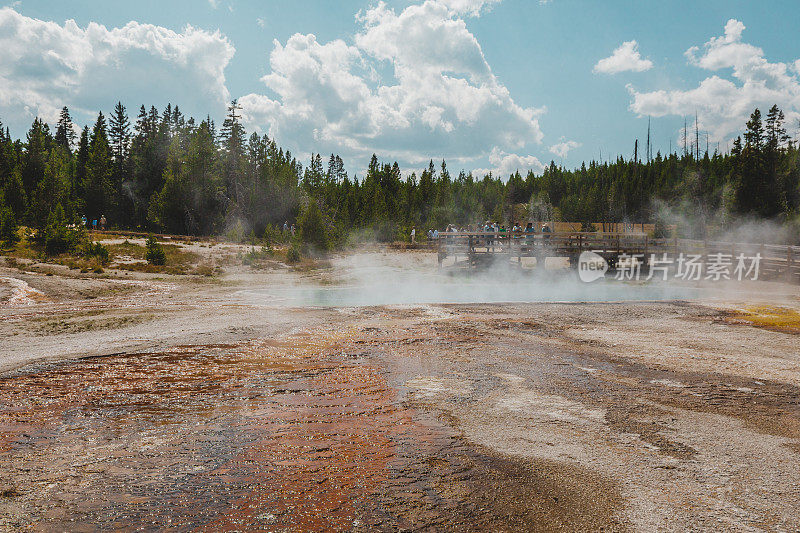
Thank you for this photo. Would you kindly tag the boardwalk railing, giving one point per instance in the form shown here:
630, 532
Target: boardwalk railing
473, 249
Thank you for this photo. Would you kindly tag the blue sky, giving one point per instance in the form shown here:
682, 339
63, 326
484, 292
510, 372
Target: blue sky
492, 85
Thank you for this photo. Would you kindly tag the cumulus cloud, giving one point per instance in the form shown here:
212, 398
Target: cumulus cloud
410, 86
625, 58
45, 65
724, 103
504, 164
563, 148
469, 7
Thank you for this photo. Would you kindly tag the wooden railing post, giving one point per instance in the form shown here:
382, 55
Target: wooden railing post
470, 252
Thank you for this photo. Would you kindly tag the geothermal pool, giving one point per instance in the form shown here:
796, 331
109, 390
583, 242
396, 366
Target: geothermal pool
432, 290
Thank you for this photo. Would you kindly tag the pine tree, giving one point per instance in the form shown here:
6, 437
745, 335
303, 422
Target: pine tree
232, 134
778, 186
36, 154
99, 193
65, 133
119, 134
54, 189
141, 126
178, 120
190, 200
147, 162
12, 191
751, 194
332, 171
81, 160
185, 178
232, 137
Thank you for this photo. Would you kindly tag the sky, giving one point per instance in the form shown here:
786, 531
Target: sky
488, 85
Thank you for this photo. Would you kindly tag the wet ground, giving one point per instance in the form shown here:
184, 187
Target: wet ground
450, 418
301, 434
219, 406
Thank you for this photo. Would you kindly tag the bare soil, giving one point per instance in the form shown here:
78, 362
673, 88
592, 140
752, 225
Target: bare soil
132, 400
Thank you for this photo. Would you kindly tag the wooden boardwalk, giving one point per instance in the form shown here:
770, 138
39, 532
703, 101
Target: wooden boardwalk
480, 249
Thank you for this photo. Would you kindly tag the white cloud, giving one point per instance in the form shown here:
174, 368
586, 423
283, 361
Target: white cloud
625, 58
410, 86
45, 65
504, 164
469, 7
213, 3
723, 105
563, 148
262, 23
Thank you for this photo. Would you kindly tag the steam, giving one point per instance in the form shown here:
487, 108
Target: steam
392, 278
696, 221
236, 229
360, 278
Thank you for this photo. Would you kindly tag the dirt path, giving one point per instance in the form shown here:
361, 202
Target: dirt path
191, 407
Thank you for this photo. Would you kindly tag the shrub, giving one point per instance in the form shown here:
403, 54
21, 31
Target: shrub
235, 232
155, 252
97, 251
9, 229
387, 232
273, 235
254, 256
59, 238
293, 255
204, 270
313, 228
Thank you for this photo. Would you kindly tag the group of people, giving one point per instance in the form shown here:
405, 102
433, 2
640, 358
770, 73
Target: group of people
288, 229
101, 222
487, 227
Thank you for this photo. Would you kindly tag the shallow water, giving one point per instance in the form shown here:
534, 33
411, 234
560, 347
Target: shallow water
398, 290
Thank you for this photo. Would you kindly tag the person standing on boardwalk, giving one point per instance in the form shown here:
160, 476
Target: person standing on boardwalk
413, 234
102, 222
529, 231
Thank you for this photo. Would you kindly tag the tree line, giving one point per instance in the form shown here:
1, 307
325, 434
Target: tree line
166, 172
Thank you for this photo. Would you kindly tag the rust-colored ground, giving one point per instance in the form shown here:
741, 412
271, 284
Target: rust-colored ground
299, 434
